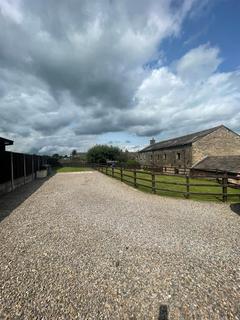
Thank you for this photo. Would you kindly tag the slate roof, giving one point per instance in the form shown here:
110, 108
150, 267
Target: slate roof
229, 164
180, 141
5, 142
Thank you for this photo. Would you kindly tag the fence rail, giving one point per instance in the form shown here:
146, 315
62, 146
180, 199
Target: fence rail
17, 169
153, 181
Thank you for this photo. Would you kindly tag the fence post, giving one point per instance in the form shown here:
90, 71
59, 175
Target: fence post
224, 187
187, 185
135, 178
153, 183
12, 173
24, 168
112, 172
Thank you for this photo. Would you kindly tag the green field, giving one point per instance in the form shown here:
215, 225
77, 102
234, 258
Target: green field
167, 182
71, 169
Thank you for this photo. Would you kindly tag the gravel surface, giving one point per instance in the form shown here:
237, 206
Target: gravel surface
86, 246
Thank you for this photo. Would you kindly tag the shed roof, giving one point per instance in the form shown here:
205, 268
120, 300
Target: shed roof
181, 141
5, 142
219, 163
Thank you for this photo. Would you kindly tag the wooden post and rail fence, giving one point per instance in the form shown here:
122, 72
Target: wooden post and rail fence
152, 180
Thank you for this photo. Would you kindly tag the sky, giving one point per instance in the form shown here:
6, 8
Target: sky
78, 73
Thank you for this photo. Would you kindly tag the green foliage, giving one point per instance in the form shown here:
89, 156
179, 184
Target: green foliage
56, 156
102, 153
74, 152
131, 163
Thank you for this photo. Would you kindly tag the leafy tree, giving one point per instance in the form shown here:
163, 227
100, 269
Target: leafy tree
56, 156
53, 160
102, 153
74, 152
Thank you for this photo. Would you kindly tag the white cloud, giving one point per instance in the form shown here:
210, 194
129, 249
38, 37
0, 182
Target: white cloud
67, 72
199, 63
192, 96
77, 72
11, 9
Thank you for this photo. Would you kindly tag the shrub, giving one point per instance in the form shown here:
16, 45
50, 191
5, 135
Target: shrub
134, 164
102, 153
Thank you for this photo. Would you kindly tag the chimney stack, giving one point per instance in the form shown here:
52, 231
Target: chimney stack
152, 141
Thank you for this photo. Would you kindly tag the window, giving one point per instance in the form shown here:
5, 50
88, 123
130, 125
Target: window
158, 156
164, 156
178, 156
151, 156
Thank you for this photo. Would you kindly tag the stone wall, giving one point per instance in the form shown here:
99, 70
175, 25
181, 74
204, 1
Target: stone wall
175, 157
221, 142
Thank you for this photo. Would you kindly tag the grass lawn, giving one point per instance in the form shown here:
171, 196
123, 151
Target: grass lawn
72, 169
167, 182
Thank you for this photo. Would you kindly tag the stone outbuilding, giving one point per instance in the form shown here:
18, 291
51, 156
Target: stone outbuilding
182, 153
218, 164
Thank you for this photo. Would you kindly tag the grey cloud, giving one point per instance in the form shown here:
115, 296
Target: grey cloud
72, 68
148, 131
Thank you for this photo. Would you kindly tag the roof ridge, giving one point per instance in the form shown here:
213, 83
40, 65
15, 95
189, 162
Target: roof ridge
198, 133
189, 134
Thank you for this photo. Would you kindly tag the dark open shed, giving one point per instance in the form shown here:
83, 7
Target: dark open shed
5, 142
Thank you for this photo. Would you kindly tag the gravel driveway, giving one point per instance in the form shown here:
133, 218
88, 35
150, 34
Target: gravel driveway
86, 246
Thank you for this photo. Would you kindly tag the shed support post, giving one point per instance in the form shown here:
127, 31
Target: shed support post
24, 168
32, 168
12, 172
121, 171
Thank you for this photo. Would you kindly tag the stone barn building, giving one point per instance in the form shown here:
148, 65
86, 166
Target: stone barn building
181, 153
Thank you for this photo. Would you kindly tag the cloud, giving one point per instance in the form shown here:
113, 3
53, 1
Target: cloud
11, 10
190, 95
199, 63
73, 70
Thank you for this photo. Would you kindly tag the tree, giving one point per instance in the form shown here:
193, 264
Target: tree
102, 153
56, 156
74, 152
